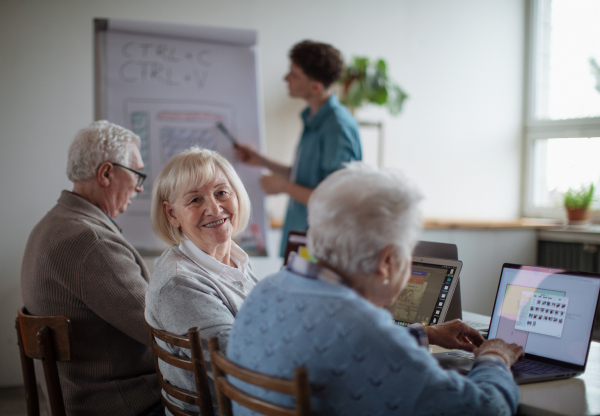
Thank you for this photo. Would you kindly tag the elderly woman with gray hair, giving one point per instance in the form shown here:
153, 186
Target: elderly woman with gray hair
328, 316
198, 204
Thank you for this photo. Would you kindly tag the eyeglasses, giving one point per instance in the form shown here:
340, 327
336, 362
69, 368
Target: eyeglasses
141, 176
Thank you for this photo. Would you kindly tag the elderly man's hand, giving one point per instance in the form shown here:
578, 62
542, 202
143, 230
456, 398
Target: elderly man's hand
273, 184
454, 335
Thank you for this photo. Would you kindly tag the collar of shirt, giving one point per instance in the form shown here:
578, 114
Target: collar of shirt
113, 221
314, 121
303, 267
215, 267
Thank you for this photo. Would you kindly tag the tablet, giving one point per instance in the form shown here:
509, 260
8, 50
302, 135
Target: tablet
427, 295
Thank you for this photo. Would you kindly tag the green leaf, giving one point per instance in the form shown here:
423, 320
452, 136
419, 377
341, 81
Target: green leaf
396, 98
581, 198
367, 82
354, 96
361, 64
380, 96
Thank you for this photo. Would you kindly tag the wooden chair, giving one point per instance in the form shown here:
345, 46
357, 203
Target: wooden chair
298, 387
46, 338
201, 397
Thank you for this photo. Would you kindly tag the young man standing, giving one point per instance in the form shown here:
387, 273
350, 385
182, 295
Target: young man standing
329, 139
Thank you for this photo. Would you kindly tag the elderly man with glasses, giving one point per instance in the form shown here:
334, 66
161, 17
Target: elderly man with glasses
78, 264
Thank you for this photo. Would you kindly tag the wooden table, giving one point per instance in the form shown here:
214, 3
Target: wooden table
574, 396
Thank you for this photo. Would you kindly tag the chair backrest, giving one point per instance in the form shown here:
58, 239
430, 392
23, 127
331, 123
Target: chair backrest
444, 251
299, 387
46, 338
435, 249
197, 365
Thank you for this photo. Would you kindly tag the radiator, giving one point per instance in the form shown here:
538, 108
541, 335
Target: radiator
571, 256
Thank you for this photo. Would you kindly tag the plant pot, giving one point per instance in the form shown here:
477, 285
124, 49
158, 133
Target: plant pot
578, 215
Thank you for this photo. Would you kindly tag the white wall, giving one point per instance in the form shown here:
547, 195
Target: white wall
459, 136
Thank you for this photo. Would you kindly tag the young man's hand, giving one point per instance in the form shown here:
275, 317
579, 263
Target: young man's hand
273, 184
248, 154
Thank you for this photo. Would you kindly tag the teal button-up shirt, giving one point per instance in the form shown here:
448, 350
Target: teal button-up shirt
330, 138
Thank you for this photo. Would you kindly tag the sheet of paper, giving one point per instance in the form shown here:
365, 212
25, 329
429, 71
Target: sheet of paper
542, 313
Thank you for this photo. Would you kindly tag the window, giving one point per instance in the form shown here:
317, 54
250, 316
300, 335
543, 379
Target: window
562, 129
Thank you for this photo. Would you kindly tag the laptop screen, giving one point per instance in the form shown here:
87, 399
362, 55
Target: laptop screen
549, 312
427, 294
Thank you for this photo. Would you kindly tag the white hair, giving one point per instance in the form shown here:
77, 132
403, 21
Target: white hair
100, 142
357, 211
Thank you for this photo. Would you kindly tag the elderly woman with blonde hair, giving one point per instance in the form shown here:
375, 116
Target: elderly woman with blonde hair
198, 204
328, 316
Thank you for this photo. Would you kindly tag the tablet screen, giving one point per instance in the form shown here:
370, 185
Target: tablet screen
426, 297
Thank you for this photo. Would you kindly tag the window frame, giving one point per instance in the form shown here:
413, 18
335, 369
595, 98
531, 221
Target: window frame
535, 129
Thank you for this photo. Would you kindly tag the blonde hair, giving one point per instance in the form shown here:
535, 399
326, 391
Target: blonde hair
189, 169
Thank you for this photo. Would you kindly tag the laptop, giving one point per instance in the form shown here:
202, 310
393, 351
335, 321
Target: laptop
448, 251
428, 293
550, 313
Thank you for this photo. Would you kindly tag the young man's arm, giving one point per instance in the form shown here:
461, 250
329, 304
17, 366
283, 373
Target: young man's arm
275, 184
249, 155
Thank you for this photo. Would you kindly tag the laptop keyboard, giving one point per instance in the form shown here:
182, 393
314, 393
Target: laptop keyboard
535, 368
525, 366
462, 354
477, 325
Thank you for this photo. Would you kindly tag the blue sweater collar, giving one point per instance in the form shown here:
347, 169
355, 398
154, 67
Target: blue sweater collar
314, 271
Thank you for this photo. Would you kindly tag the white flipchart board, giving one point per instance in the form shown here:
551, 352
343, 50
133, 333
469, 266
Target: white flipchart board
171, 84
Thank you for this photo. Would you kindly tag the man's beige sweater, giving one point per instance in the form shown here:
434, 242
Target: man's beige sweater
77, 264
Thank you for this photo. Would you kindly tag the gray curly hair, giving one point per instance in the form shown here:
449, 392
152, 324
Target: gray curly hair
359, 210
100, 142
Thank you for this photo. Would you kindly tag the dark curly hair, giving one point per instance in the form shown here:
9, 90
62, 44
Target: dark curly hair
319, 61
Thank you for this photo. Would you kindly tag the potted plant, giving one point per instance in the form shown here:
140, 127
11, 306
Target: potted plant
366, 81
577, 203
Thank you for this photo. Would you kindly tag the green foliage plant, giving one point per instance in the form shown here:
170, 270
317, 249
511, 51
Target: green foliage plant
579, 198
366, 82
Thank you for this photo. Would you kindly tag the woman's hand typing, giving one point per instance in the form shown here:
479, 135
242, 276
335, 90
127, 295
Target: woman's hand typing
510, 353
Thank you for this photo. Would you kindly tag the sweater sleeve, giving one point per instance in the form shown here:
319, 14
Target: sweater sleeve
111, 284
113, 287
488, 389
186, 302
419, 334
